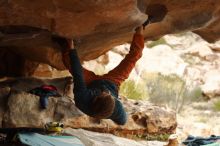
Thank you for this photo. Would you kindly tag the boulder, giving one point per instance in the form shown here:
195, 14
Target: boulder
161, 59
211, 86
34, 30
23, 110
47, 71
215, 46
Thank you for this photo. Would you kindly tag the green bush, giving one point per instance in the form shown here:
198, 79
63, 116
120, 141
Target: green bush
170, 90
157, 42
217, 105
160, 89
133, 90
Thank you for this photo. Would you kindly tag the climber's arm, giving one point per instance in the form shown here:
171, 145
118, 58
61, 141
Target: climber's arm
122, 71
76, 68
88, 75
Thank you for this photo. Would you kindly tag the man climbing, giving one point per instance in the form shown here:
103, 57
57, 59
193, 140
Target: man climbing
97, 96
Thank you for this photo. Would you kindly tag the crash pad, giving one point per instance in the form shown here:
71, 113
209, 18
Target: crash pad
35, 139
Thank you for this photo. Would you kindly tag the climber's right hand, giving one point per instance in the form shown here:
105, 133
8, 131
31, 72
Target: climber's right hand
71, 45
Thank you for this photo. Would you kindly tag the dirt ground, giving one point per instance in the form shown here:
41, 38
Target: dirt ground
198, 119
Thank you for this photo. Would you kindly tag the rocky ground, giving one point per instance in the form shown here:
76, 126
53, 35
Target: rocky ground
198, 119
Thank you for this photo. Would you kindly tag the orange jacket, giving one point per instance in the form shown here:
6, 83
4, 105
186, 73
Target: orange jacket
122, 71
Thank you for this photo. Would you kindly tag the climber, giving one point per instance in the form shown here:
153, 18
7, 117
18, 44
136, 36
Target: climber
97, 96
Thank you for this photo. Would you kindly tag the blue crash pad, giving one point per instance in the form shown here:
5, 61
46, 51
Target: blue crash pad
35, 139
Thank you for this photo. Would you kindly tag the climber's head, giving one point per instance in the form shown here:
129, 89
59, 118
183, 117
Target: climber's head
103, 105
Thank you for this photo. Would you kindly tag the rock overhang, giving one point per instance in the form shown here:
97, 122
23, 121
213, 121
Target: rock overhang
27, 27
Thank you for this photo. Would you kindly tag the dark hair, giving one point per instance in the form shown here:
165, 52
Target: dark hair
103, 105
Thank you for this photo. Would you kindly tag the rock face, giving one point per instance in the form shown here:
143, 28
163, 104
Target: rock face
32, 30
22, 109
